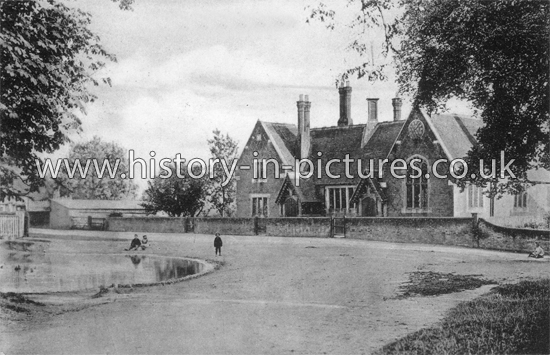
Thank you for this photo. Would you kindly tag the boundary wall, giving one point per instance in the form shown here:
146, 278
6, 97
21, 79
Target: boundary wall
467, 232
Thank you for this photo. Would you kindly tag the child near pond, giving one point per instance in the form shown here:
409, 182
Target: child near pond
145, 243
218, 244
538, 252
135, 243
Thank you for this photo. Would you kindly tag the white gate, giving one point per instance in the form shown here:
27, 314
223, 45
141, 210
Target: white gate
12, 225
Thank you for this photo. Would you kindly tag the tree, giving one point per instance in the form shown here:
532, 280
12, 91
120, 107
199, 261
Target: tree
221, 192
97, 184
493, 54
177, 196
48, 58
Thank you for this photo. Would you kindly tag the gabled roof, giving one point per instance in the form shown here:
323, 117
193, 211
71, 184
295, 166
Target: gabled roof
457, 132
369, 183
101, 204
283, 137
305, 192
335, 143
383, 136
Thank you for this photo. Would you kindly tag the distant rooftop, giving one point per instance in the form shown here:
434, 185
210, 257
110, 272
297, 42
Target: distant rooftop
100, 204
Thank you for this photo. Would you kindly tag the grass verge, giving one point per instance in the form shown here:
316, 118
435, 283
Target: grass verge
511, 319
429, 283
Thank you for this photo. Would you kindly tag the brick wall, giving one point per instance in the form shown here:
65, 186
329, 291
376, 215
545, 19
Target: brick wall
491, 236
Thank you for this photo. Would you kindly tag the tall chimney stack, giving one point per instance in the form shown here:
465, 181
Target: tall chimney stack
304, 140
396, 102
372, 121
345, 105
373, 109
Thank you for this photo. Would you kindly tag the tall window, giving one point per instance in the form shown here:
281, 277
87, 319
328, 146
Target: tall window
338, 198
475, 196
259, 206
417, 186
258, 171
520, 200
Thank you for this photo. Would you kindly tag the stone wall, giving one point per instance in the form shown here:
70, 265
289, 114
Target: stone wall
430, 230
147, 224
212, 225
318, 227
491, 236
427, 230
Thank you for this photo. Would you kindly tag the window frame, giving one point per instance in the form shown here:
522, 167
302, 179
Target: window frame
520, 200
417, 202
259, 202
332, 197
475, 197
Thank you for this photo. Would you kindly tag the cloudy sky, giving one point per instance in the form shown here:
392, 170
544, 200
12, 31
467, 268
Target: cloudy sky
188, 67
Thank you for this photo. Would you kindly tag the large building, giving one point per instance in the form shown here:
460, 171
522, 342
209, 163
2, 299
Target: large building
363, 186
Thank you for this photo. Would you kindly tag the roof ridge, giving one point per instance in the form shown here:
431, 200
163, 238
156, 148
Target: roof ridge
340, 127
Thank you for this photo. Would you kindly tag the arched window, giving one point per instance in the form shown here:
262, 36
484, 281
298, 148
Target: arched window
417, 184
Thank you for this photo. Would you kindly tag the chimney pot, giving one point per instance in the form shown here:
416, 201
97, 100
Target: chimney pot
307, 98
396, 103
347, 83
301, 97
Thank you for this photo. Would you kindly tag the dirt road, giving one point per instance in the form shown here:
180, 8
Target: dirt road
270, 296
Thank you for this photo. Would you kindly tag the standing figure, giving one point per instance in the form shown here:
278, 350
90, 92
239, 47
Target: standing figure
218, 244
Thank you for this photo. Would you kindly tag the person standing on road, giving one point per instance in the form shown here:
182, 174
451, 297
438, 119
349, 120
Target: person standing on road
218, 244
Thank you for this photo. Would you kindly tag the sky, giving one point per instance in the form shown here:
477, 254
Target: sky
188, 67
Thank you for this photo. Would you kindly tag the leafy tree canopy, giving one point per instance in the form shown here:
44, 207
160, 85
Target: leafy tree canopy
102, 181
48, 57
178, 196
493, 54
221, 191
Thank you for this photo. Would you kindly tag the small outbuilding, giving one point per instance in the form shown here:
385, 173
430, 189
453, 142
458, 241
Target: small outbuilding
90, 214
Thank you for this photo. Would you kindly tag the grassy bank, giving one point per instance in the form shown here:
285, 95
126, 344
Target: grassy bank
429, 283
511, 319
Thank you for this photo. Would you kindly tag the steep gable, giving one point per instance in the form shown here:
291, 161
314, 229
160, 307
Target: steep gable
457, 132
283, 137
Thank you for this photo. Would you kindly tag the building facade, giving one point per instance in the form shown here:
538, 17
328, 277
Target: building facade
377, 168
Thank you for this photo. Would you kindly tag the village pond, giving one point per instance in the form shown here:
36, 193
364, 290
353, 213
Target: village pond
27, 267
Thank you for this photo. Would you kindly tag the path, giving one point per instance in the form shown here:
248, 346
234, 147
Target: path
272, 295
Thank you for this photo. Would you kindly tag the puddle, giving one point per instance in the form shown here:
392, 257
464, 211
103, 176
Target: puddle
39, 272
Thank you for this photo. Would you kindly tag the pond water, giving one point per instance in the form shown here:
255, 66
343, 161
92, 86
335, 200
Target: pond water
26, 271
